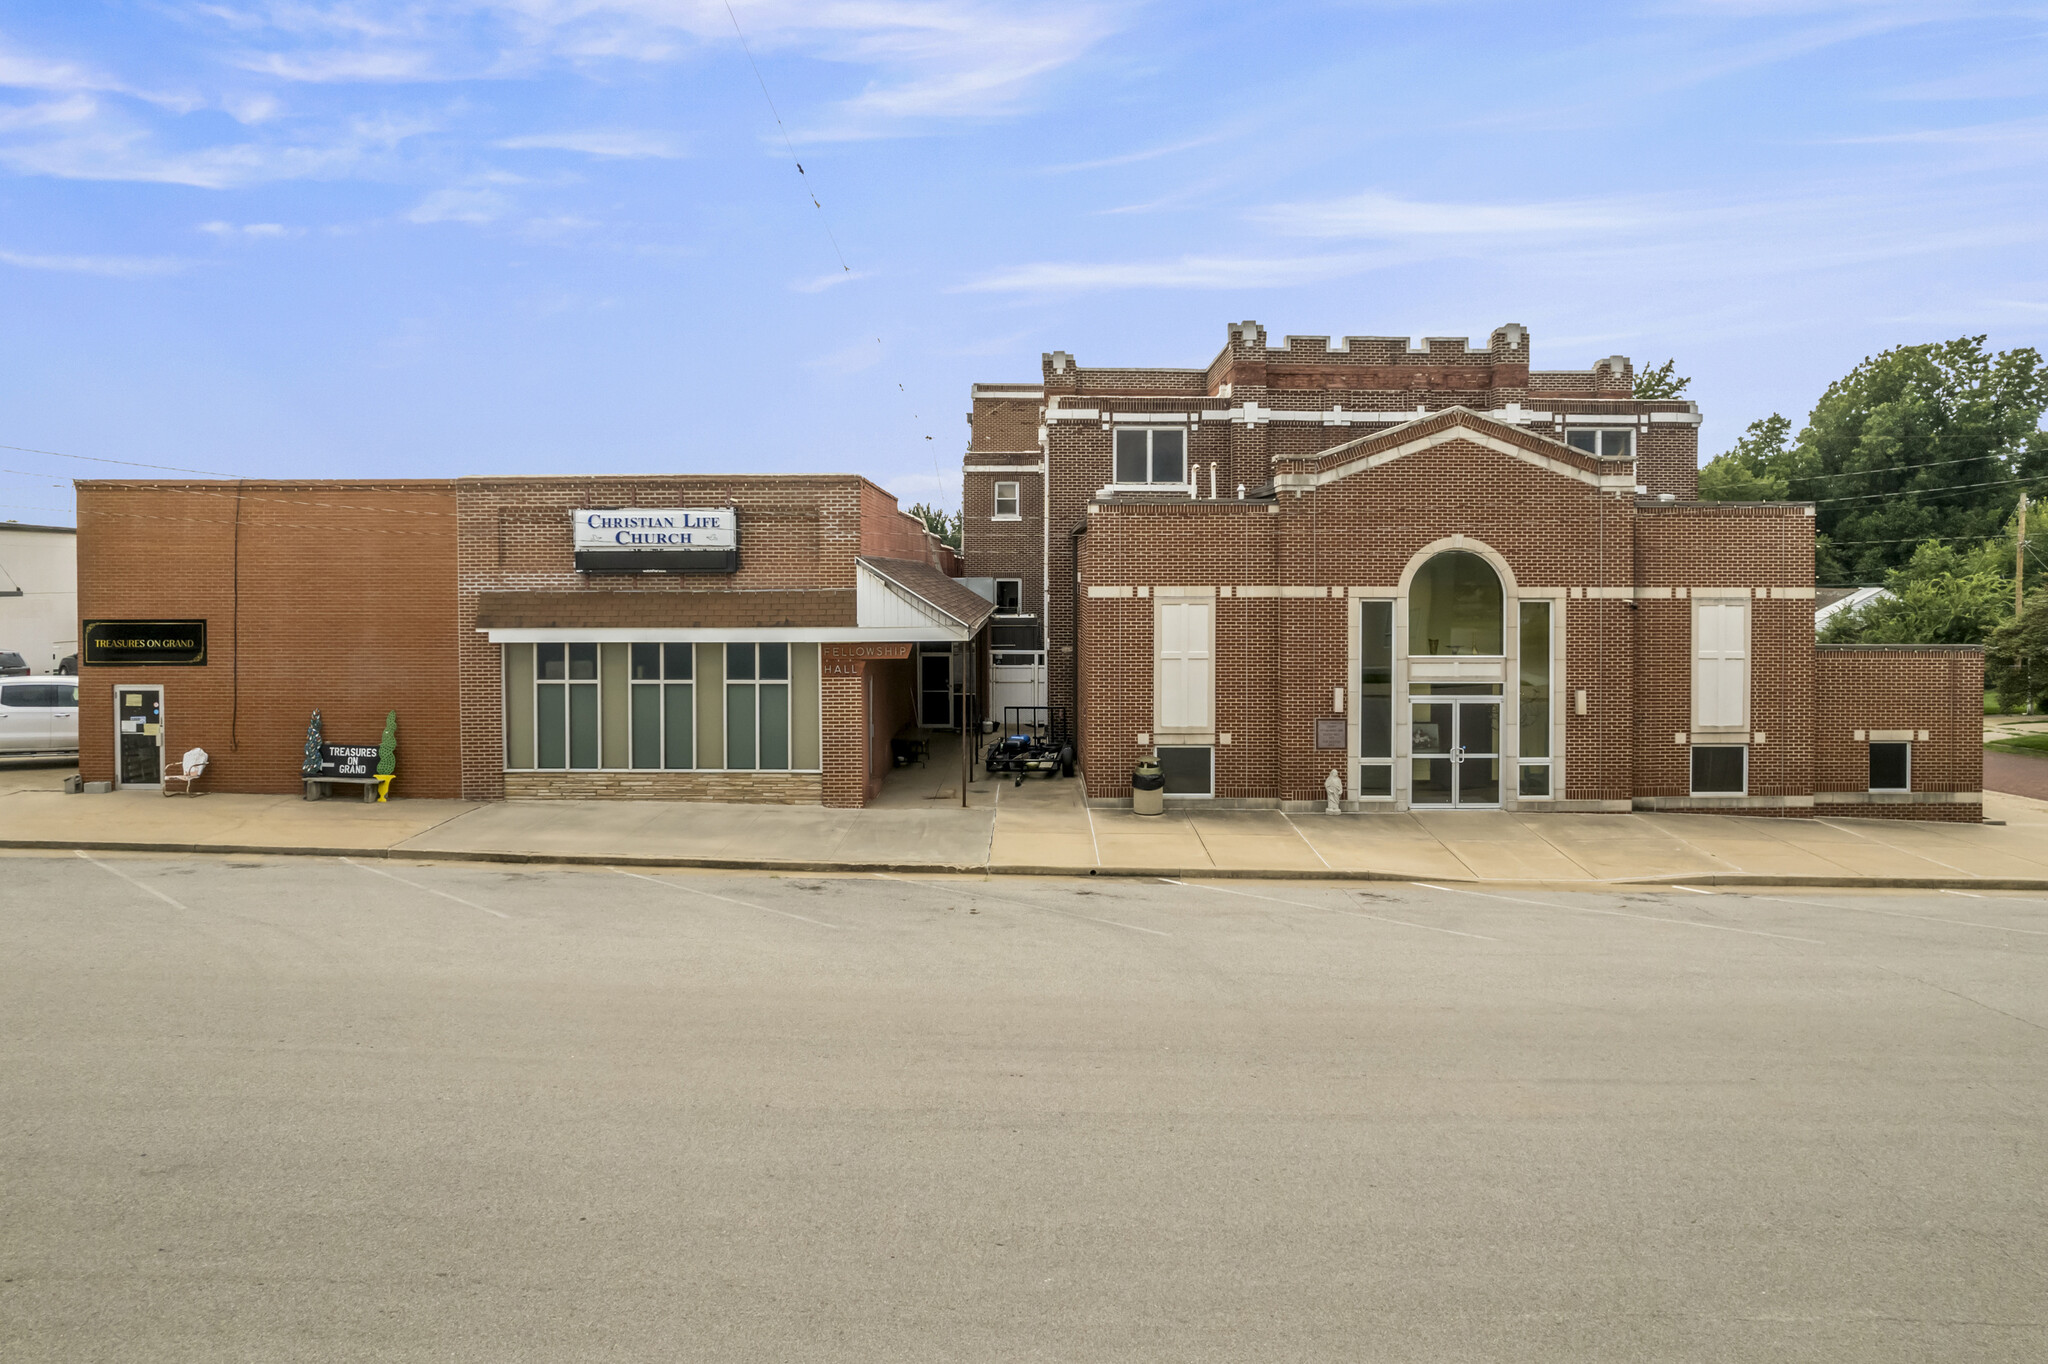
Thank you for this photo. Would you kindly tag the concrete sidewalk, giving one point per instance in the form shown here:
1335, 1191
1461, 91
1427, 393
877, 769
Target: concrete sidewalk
1042, 828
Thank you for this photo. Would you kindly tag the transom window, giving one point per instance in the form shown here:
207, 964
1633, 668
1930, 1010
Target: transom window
1007, 501
1608, 442
1152, 455
1454, 607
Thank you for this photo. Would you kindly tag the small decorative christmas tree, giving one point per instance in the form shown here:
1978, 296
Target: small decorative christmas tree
387, 747
310, 765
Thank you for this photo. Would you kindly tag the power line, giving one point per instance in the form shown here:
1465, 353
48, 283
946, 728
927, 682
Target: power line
1893, 469
823, 217
132, 464
1921, 492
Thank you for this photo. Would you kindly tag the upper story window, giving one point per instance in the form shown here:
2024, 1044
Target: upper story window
1152, 455
1609, 442
1007, 502
1009, 596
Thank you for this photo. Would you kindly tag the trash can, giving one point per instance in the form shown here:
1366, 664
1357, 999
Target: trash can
1148, 788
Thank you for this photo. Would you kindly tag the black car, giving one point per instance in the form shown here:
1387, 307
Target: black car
13, 665
68, 667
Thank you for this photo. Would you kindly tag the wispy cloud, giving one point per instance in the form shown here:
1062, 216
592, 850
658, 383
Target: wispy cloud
1375, 214
475, 202
228, 231
1185, 272
117, 267
831, 279
1133, 158
621, 143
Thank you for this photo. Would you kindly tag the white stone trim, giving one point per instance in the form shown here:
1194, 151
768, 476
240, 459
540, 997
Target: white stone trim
1004, 468
1096, 592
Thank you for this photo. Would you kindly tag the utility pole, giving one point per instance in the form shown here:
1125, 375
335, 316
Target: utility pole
2019, 557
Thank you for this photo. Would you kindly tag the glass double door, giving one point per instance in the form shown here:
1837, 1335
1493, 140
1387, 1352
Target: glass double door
1455, 745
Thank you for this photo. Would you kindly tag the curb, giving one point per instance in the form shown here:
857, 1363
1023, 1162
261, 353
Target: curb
1732, 880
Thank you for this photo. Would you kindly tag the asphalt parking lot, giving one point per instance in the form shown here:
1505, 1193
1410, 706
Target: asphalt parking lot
281, 1109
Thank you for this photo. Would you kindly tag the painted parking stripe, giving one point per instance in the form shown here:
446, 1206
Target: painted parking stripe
379, 871
139, 885
711, 895
1332, 909
1052, 909
1619, 914
1901, 914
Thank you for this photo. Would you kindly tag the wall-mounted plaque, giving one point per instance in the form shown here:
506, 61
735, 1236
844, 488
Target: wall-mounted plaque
1330, 733
140, 643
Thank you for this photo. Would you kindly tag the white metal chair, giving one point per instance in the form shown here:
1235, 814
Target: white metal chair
187, 771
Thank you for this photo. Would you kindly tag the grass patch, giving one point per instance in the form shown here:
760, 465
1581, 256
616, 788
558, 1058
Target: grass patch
2036, 744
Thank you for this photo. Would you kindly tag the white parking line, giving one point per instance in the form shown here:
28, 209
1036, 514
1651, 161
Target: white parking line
1620, 914
1901, 914
1050, 909
1964, 893
1694, 889
139, 885
379, 871
710, 895
1332, 909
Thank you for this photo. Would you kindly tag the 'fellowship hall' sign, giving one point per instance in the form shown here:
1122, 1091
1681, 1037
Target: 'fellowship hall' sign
658, 540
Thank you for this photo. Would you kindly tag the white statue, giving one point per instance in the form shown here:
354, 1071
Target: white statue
1333, 787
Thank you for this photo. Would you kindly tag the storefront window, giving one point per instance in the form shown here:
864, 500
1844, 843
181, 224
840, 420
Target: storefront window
1535, 698
757, 707
1375, 700
1454, 607
663, 706
656, 706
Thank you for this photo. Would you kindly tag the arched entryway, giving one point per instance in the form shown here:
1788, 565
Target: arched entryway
1455, 703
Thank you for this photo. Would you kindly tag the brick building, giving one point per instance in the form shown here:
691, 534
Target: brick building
1450, 579
697, 638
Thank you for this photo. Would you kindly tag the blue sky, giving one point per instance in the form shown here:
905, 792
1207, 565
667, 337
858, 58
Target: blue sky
287, 237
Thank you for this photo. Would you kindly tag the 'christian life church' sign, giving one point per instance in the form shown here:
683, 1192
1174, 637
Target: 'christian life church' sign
658, 540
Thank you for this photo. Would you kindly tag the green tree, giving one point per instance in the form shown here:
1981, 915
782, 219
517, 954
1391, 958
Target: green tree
1754, 471
1922, 442
1662, 382
944, 524
2016, 656
1941, 596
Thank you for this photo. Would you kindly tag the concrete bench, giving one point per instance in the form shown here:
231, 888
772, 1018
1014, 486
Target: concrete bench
316, 787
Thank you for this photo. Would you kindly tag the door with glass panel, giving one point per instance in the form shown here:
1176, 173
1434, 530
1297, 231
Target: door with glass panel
1455, 746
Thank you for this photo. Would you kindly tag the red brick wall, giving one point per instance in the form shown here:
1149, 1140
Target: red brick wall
1378, 374
797, 532
346, 604
1279, 658
1768, 549
1937, 689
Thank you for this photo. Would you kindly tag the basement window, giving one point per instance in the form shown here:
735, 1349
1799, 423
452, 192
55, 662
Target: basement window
1891, 767
1189, 770
1150, 456
1720, 770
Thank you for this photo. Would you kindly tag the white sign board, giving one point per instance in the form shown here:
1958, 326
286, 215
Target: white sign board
643, 528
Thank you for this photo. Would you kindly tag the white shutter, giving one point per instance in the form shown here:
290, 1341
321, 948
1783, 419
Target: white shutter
1720, 663
1186, 665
